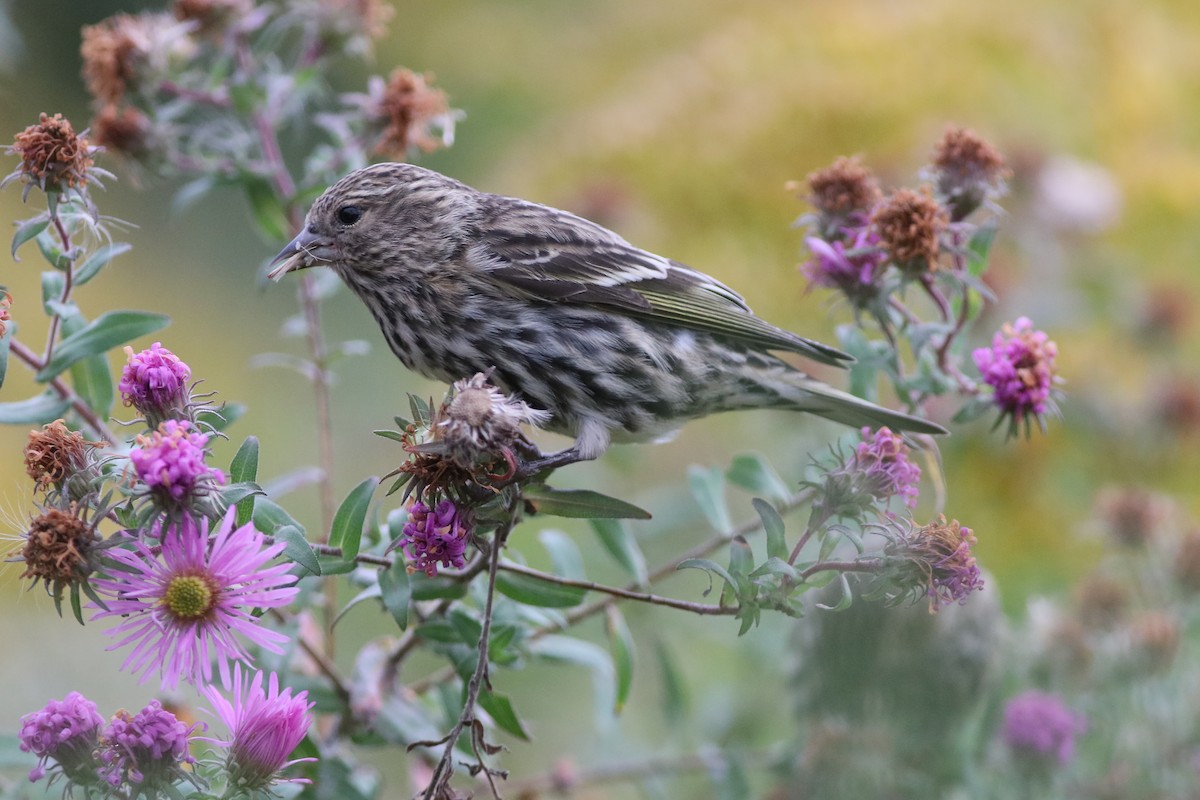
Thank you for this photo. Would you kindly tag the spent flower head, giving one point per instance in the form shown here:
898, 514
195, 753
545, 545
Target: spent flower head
155, 382
186, 606
935, 561
1039, 728
409, 113
479, 420
909, 225
170, 462
58, 458
53, 156
1019, 366
65, 732
842, 192
211, 17
434, 536
121, 52
145, 752
123, 129
59, 550
265, 725
966, 171
876, 470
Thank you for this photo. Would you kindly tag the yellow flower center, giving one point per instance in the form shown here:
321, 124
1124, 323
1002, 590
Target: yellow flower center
189, 596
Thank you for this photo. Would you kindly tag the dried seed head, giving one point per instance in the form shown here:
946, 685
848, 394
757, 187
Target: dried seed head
124, 130
1102, 601
481, 420
410, 109
942, 552
211, 16
112, 51
56, 549
909, 225
55, 454
53, 156
845, 187
967, 171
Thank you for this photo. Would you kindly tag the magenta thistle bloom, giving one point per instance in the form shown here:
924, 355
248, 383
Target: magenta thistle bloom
187, 606
1019, 366
852, 267
146, 750
1038, 726
882, 460
155, 382
65, 731
265, 726
935, 561
170, 461
435, 536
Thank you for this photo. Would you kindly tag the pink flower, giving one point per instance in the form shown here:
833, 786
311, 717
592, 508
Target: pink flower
145, 750
65, 731
170, 461
1019, 366
1039, 726
155, 382
186, 607
264, 728
435, 536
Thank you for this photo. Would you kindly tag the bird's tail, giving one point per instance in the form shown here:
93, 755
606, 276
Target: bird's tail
809, 394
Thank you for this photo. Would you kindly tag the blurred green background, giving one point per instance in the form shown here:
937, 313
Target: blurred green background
678, 123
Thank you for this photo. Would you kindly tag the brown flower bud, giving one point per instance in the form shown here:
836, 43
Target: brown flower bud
967, 169
845, 187
55, 453
53, 156
56, 549
909, 225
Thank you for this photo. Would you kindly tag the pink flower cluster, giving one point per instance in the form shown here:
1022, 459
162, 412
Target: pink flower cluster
881, 459
155, 382
170, 461
435, 536
1019, 366
1039, 726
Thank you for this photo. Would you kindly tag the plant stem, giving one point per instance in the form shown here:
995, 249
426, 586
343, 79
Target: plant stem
85, 412
704, 609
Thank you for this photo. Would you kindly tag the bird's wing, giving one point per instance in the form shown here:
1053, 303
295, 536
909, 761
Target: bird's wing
554, 256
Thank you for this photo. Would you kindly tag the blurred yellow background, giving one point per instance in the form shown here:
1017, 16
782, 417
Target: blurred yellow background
678, 123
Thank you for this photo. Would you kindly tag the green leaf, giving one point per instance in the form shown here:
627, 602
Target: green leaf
741, 563
620, 643
621, 545
708, 487
297, 548
396, 591
776, 566
26, 231
351, 515
773, 527
244, 469
268, 212
108, 331
580, 503
369, 593
752, 472
596, 659
427, 588
563, 554
536, 592
98, 260
5, 341
500, 708
237, 492
674, 691
53, 284
708, 566
50, 251
76, 603
269, 516
846, 598
91, 377
46, 407
979, 248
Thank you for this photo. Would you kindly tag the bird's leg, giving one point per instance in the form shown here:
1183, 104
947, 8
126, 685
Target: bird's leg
548, 463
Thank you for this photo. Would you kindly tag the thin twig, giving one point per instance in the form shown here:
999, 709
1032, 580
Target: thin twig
705, 609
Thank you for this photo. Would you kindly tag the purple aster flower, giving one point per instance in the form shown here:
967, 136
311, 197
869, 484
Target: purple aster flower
265, 726
146, 750
936, 561
1039, 726
184, 608
1019, 366
170, 462
881, 458
155, 382
435, 536
852, 266
65, 731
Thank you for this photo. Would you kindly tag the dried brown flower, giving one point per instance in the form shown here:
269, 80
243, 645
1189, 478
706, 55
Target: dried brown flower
55, 453
480, 420
112, 51
211, 16
5, 305
967, 169
845, 187
56, 549
52, 155
1155, 637
1102, 601
1132, 515
410, 108
1178, 405
123, 130
909, 224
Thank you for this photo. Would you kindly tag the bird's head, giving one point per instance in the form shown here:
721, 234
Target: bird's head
384, 214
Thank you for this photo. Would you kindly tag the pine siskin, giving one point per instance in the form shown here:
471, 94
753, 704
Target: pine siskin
614, 342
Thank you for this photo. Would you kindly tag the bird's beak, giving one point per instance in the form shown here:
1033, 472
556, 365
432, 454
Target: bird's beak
306, 250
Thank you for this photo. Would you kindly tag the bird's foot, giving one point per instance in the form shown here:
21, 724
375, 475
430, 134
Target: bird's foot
546, 463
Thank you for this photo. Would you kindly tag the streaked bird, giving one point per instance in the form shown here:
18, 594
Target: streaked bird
616, 343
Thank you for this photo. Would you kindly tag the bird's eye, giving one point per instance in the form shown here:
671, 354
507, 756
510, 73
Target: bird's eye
348, 215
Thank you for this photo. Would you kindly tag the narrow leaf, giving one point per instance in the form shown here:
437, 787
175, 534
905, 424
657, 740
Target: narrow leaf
773, 527
98, 260
297, 548
708, 487
580, 503
427, 588
26, 231
752, 472
674, 691
351, 514
708, 566
244, 469
502, 712
741, 563
91, 377
39, 410
563, 554
269, 516
536, 592
621, 545
620, 642
5, 341
106, 332
396, 592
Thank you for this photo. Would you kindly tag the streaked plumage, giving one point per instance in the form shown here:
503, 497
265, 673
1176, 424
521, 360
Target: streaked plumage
615, 342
